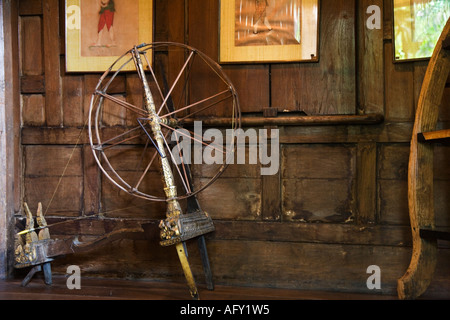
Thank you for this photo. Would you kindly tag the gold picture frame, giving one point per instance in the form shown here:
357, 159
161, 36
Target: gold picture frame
261, 31
98, 32
417, 25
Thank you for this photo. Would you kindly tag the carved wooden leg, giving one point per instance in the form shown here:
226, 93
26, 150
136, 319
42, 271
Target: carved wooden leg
205, 261
420, 272
30, 275
47, 268
421, 213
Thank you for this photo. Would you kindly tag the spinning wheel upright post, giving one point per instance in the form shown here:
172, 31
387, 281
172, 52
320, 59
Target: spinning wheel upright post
116, 125
170, 190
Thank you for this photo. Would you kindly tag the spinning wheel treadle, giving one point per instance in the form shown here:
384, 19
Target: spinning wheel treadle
119, 129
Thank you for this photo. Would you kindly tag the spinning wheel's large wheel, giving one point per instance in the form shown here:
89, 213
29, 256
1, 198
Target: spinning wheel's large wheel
150, 129
116, 123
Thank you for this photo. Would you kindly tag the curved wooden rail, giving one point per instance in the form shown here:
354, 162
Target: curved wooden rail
420, 174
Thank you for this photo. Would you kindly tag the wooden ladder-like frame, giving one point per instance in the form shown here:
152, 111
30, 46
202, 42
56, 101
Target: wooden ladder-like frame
420, 174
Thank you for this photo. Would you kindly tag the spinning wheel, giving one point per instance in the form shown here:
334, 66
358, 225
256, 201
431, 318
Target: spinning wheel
154, 136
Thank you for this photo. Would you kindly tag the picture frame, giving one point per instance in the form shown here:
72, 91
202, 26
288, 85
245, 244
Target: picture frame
263, 31
98, 32
417, 25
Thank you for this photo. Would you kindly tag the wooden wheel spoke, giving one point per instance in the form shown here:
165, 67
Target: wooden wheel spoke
110, 144
156, 81
149, 135
194, 138
185, 182
122, 103
188, 182
176, 81
139, 181
211, 98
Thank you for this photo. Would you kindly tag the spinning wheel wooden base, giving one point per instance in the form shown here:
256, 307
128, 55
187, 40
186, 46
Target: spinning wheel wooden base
161, 116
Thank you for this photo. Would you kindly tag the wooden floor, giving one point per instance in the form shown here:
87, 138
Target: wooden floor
107, 289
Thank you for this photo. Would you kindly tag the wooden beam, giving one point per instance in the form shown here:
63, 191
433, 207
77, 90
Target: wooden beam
270, 231
295, 120
434, 135
384, 133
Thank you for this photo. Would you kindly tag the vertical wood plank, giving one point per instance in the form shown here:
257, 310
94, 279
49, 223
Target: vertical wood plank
33, 110
31, 46
73, 100
176, 10
91, 182
271, 187
14, 101
10, 166
271, 197
370, 75
326, 87
52, 67
4, 150
90, 82
203, 24
252, 83
419, 70
366, 182
399, 88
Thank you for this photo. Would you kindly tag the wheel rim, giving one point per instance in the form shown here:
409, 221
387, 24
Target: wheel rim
118, 126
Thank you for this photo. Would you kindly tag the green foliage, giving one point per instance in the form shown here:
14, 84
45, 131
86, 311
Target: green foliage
430, 19
422, 29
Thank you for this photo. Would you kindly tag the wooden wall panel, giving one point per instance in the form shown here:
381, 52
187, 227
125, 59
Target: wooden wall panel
236, 195
392, 184
72, 100
444, 111
442, 185
252, 83
308, 177
233, 199
350, 180
370, 60
326, 87
399, 88
31, 46
53, 175
33, 110
51, 40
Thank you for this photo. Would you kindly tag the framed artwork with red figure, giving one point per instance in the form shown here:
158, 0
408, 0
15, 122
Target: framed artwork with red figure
100, 31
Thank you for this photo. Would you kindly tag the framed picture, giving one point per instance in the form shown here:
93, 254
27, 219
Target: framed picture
268, 30
417, 27
98, 32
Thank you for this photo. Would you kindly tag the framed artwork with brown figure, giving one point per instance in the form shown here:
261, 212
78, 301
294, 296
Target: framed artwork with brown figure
268, 30
100, 31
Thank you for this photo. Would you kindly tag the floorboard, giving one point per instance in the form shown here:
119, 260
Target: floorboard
112, 289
